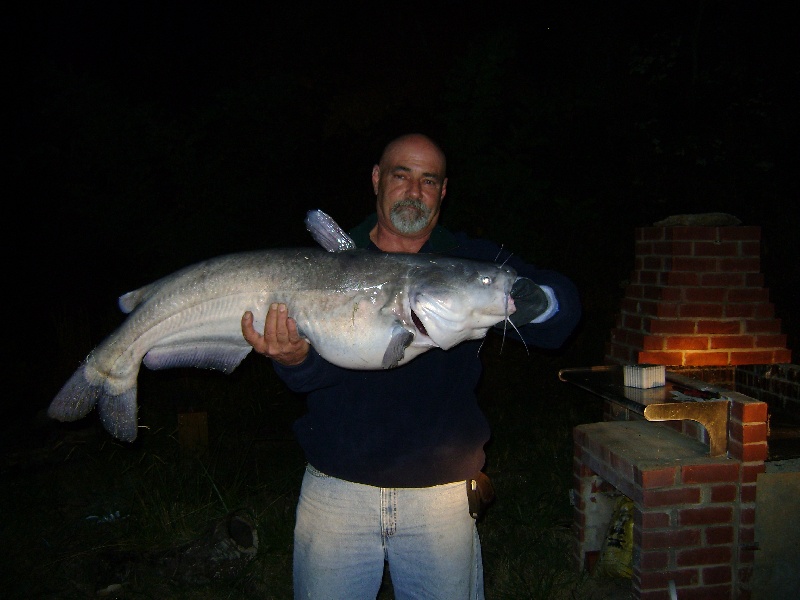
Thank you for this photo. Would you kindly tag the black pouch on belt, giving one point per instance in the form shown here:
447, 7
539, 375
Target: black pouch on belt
480, 494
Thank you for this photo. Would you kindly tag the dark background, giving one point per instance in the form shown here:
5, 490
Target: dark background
146, 135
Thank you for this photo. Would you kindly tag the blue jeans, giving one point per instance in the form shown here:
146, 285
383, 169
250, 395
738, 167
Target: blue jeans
345, 531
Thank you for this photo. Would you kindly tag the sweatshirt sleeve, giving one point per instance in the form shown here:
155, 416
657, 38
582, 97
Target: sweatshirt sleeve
552, 329
312, 374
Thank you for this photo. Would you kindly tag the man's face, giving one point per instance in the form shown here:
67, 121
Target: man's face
410, 184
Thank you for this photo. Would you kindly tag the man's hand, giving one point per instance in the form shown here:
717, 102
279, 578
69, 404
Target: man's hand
281, 341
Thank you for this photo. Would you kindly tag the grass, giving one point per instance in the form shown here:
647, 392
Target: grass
82, 511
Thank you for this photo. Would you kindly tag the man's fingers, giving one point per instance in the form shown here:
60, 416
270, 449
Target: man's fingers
271, 323
248, 331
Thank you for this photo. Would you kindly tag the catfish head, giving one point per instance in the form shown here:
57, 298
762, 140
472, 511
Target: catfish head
453, 300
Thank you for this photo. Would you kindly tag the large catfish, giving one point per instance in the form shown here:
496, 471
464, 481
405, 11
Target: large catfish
359, 309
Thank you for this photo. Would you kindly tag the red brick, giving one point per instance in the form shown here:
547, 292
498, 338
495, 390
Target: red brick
676, 342
749, 411
671, 248
653, 344
705, 294
716, 249
705, 515
751, 357
711, 472
704, 556
634, 322
739, 265
661, 358
658, 594
752, 433
724, 493
697, 264
748, 295
754, 452
736, 431
666, 294
747, 534
653, 559
741, 311
710, 359
732, 341
621, 466
735, 448
646, 308
688, 279
669, 497
700, 310
762, 326
764, 311
661, 579
747, 516
771, 341
705, 592
719, 535
747, 555
652, 520
665, 310
729, 327
672, 326
723, 279
654, 478
694, 233
741, 232
676, 538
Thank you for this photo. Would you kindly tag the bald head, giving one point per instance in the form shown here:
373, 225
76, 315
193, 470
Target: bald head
416, 142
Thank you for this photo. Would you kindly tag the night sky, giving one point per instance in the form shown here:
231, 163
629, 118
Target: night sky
147, 135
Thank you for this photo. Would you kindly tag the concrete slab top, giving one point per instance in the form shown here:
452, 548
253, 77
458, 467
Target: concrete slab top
647, 444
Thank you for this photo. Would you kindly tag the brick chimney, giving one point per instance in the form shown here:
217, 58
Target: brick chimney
697, 299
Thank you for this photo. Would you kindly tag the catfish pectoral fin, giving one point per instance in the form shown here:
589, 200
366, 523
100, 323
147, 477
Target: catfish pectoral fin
221, 355
76, 399
401, 338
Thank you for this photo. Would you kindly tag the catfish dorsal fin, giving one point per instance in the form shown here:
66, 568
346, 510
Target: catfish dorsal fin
327, 233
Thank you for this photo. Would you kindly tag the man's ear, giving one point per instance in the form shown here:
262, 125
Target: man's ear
376, 176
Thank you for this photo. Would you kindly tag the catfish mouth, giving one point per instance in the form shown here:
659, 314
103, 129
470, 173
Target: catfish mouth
418, 324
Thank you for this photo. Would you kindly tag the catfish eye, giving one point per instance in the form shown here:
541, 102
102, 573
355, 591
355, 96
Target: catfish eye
486, 280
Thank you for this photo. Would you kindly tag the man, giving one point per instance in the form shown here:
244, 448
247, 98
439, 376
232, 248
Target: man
389, 451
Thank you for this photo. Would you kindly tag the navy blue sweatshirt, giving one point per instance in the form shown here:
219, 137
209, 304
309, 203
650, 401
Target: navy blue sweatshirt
419, 424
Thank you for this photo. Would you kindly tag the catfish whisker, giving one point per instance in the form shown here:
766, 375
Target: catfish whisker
499, 252
528, 352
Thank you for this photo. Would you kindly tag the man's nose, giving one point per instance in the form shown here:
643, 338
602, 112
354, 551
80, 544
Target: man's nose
415, 189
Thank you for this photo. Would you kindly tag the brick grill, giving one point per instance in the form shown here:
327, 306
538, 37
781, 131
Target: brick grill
696, 302
694, 515
697, 298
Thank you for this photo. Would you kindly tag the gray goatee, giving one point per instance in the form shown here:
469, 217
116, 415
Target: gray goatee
410, 221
